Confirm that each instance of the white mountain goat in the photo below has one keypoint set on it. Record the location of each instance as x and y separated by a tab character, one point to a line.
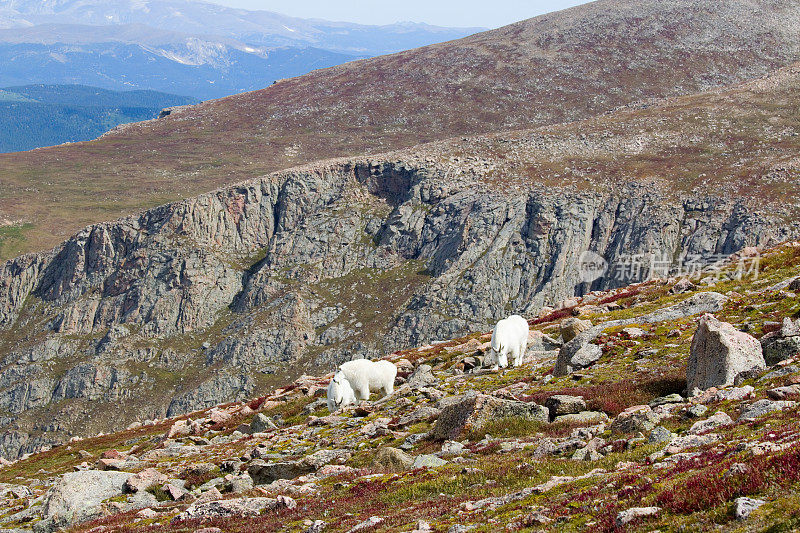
365	376
340	393
510	337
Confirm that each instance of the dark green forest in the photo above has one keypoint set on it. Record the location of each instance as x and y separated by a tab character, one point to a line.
44	115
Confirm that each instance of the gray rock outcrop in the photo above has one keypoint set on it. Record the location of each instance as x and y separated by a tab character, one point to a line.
200	302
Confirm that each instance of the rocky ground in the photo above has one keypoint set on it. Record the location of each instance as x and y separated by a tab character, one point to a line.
598	430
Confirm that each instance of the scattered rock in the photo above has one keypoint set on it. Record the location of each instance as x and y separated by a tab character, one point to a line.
144	480
666	400
422	377
264	473
659	434
633	333
561	404
317	526
452	447
428	461
783	393
719	353
625	517
743	507
762	408
586	356
392	460
682	286
734	393
261	424
586	454
422	527
694	411
239	508
181	428
639	418
238	483
683	442
426	413
147	514
711	423
584	417
777	347
370	522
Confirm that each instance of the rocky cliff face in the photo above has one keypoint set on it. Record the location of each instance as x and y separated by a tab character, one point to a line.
211	299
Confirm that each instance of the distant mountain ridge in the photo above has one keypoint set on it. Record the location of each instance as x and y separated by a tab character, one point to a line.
263	28
43	115
202	69
183	46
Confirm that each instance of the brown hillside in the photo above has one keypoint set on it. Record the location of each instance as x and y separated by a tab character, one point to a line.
555	68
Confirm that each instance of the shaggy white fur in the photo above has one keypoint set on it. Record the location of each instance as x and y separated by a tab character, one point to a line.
510	337
340	393
365	376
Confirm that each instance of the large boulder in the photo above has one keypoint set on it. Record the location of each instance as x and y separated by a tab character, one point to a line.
719	353
473	411
78	497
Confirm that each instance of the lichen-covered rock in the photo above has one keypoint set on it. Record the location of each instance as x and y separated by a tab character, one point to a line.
428	461
639	418
144	480
784	343
744	507
719	353
392	460
711	423
762	408
422	377
586	356
473	411
629	515
239	508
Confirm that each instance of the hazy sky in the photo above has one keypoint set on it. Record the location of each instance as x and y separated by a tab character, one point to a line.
465	13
